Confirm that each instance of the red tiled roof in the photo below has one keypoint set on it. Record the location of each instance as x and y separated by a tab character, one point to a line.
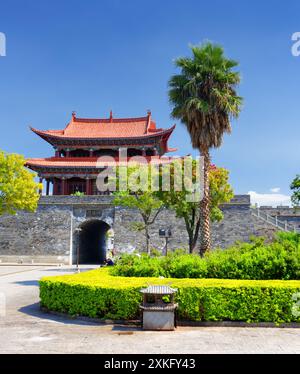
85	128
61	162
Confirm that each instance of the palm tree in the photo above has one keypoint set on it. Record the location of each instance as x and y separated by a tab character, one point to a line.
204	98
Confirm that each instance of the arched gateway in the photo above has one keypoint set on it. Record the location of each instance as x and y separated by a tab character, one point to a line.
91	242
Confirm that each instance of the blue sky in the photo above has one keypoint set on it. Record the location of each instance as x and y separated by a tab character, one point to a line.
95	55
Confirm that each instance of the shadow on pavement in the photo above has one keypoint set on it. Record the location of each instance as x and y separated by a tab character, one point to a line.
34	310
28	283
126	329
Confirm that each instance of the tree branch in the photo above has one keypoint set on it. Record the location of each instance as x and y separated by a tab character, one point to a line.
156	214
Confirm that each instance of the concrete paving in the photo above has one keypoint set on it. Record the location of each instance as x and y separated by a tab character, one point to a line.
25	329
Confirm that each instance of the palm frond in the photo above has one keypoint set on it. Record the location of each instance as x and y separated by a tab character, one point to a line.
203	95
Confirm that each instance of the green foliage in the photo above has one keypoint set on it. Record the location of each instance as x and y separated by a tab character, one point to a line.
185	207
18	189
203	94
292	238
220	191
155	252
78	193
139	196
295	187
181	201
144	202
99	294
254	260
185	266
139	266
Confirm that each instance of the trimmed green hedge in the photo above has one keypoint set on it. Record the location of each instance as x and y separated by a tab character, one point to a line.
99	294
254	260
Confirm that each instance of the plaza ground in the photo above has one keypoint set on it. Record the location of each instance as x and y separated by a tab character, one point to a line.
25	329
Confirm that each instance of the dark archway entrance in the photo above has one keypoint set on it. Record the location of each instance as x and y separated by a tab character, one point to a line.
92	242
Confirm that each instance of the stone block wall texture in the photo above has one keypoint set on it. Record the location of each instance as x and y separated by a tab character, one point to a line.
237	225
45	233
126	239
50	235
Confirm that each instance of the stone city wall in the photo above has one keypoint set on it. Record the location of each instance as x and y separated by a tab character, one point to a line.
50	235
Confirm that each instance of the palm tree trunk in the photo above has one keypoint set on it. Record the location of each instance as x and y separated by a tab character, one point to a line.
205	243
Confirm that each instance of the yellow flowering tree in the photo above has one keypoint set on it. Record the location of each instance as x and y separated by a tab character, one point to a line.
18	188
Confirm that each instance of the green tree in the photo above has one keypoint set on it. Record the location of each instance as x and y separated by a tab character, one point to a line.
204	98
220	192
139	196
295	187
18	189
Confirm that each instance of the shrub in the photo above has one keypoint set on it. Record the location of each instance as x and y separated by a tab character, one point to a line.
285	237
99	294
78	193
254	260
184	266
143	265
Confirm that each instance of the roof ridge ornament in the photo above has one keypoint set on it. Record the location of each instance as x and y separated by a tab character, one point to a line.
73	115
148	120
111	116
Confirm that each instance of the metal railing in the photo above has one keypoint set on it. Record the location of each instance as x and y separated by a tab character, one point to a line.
274	221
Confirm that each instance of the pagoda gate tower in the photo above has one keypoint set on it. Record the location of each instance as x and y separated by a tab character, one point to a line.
75	165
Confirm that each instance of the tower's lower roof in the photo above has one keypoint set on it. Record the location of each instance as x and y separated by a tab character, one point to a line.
91	162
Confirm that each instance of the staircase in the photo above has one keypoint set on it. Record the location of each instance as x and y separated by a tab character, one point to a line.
273	221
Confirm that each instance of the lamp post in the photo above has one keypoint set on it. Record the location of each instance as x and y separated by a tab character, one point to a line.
78	229
163	233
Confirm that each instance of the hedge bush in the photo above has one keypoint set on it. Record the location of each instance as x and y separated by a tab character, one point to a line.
254	260
99	294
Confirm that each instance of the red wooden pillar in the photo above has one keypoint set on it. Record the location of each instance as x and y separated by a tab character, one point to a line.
88	187
87	184
64	186
55	186
91	186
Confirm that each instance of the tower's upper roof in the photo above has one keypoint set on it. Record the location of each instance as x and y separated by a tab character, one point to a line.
114	128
